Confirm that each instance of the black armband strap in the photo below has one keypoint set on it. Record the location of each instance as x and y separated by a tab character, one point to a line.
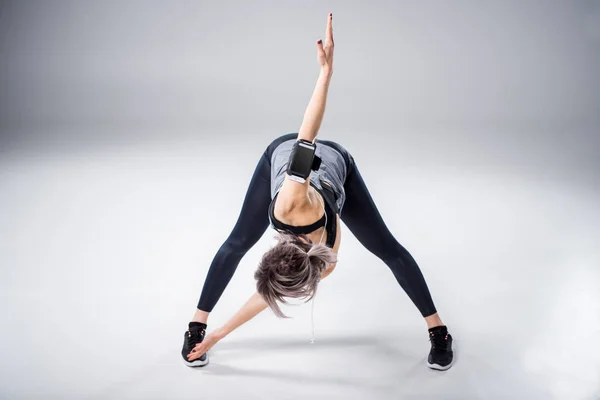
303	160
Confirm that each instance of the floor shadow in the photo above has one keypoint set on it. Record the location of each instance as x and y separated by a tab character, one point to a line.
293	377
374	345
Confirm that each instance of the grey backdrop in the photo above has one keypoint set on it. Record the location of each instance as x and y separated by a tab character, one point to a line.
476	125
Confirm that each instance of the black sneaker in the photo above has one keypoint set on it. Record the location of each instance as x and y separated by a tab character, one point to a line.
440	355
193	336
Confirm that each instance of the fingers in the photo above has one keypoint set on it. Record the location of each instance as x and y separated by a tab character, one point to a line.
196	352
329	31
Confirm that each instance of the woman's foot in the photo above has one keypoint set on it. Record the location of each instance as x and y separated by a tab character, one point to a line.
193	336
441	354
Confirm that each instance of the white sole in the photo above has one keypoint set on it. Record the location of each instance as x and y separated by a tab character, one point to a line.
196	363
439	367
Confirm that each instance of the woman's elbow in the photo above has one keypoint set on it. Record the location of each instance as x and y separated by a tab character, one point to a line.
328	270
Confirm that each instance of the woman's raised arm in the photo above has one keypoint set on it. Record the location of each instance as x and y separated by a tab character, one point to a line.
316	107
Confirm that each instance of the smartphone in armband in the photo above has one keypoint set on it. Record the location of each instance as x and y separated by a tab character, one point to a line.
302	160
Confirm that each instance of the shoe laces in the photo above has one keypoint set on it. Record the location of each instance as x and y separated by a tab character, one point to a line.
439	341
195	336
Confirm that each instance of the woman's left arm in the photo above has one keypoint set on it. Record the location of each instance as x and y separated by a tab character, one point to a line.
254	306
336	248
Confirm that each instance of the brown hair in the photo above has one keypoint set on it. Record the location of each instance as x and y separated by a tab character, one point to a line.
293	269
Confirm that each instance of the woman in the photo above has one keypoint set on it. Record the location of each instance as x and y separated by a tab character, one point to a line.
291	191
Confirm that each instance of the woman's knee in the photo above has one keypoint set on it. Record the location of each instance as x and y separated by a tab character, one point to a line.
238	244
397	254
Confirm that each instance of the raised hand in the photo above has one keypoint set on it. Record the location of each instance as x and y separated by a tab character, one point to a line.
325	51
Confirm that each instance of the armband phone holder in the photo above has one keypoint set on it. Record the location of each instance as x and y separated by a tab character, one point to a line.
303	160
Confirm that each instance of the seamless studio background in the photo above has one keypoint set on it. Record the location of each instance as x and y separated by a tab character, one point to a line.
476	126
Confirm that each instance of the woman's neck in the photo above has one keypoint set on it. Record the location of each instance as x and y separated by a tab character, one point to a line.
300	211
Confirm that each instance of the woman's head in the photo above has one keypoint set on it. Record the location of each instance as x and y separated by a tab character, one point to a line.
291	269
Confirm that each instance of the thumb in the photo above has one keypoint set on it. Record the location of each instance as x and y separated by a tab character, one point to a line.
320	46
199	347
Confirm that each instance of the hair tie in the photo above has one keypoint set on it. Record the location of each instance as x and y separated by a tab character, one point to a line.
303	245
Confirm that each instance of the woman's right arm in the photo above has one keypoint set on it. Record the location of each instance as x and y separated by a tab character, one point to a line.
313	116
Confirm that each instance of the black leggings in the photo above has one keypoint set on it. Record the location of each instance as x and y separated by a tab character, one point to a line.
359	214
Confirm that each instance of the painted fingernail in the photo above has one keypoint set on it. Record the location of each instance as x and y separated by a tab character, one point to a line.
320	41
